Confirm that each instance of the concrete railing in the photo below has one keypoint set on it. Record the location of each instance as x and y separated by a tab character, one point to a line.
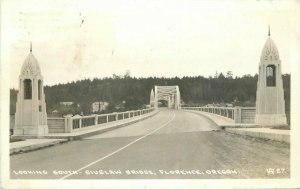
248	114
69	124
56	124
77	122
238	114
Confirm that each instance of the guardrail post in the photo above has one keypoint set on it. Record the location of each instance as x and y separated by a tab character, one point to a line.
80	122
68	124
96	119
237	115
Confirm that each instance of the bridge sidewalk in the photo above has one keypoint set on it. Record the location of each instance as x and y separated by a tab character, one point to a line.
219	120
52	139
98	129
32	144
248	129
266	133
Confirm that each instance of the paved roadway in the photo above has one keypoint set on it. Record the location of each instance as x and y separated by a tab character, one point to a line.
171	144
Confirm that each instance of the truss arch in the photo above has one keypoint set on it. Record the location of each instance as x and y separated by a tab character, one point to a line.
169	93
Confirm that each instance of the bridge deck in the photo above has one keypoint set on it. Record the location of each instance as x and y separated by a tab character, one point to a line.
156	147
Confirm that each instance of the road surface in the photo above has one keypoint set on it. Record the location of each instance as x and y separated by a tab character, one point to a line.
170	145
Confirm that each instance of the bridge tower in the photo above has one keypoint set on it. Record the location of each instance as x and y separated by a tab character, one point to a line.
270	107
31	116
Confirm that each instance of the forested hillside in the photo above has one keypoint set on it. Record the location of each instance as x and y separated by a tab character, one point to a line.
136	91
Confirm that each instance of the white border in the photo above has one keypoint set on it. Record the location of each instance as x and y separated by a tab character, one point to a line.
293	182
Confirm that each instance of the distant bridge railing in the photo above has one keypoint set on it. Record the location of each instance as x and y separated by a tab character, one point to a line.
238	114
75	123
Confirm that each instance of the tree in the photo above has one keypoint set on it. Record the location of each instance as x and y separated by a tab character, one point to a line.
229	74
127	74
136	91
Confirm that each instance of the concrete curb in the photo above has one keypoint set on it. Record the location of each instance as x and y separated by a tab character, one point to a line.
22	149
235	128
271	136
207	117
218	127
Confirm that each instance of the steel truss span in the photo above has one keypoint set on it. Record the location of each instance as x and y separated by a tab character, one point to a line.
171	94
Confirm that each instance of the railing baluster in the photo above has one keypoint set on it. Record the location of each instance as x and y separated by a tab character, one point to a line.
80	122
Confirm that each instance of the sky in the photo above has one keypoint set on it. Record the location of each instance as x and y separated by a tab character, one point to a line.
78	39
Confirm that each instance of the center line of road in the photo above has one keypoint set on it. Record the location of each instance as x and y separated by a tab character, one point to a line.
120	149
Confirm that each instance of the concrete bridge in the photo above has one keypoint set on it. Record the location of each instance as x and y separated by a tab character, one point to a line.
31	117
236	116
172	142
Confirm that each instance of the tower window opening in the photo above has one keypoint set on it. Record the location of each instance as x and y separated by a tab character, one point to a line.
271	76
27	89
39	89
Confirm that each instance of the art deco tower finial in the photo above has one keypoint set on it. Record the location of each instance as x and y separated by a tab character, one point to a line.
269	31
30	46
